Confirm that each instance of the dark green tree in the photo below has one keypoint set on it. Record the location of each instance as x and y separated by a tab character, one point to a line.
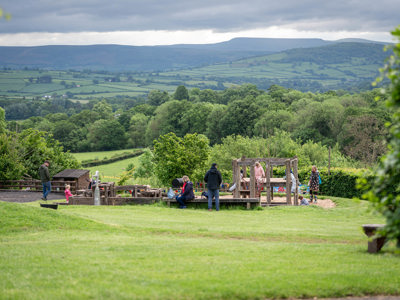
106	135
181	93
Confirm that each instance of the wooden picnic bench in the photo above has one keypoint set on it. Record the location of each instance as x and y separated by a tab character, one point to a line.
247	201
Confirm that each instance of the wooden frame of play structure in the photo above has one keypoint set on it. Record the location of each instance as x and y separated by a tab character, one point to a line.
247	186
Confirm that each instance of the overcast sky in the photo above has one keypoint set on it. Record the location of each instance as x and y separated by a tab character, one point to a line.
161	22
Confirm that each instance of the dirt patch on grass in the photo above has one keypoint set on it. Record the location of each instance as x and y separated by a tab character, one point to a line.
324	203
21	196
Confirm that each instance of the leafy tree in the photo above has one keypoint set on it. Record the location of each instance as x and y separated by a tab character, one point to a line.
104	109
157	97
385	190
271	120
34	147
167	119
2	120
194	120
137	130
106	135
240	117
175	156
181	93
215	130
363	138
85	117
146	165
11	167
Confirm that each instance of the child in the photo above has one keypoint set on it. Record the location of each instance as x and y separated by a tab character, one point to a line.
67	192
314	184
303	201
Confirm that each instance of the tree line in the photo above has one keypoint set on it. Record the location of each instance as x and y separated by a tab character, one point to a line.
355	123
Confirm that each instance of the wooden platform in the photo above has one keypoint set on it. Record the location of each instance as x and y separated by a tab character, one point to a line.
245	201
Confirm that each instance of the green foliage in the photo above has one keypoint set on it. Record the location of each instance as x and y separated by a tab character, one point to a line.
2	120
106	134
175	156
181	93
11	167
37	146
146	165
385	190
22	154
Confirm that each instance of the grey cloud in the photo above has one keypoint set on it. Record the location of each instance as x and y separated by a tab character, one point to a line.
100	15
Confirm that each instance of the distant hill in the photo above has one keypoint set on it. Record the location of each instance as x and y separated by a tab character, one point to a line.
347	65
146	58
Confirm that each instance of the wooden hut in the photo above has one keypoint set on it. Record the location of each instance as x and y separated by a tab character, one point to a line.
77	178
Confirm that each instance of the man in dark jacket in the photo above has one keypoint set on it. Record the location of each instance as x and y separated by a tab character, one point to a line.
187	192
45	178
213	179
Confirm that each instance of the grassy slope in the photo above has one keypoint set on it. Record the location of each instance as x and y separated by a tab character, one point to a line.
151	252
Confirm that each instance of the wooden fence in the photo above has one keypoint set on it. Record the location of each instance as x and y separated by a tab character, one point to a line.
36	185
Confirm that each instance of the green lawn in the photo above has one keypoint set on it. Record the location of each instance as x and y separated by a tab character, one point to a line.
155	252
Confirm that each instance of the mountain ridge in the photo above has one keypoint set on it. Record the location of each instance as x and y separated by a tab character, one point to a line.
146	58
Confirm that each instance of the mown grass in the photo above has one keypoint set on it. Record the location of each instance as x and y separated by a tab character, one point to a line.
155	252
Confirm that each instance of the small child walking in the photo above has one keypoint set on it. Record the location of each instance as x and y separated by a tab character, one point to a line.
67	192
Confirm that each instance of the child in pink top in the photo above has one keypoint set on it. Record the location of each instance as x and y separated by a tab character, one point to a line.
67	192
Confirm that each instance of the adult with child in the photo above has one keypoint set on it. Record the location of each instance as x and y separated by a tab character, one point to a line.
186	193
44	175
314	184
213	178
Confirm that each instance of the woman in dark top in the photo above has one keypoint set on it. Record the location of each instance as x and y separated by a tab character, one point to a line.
187	192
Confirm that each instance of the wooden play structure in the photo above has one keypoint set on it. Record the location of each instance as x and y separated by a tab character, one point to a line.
246	186
138	194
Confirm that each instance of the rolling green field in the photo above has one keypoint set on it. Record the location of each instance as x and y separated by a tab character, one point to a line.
344	66
99	154
155	252
109	172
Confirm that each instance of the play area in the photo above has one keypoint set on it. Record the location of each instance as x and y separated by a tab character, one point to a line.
249	187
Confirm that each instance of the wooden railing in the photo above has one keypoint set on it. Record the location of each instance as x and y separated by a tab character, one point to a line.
36	185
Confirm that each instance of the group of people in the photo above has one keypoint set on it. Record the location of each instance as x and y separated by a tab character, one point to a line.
213	178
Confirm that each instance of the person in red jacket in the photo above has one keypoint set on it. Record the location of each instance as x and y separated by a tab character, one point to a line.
187	192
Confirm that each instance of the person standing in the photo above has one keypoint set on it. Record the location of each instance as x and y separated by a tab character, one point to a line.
45	178
187	192
314	184
259	175
213	179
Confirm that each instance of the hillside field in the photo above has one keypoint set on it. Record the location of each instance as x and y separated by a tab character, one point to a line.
155	252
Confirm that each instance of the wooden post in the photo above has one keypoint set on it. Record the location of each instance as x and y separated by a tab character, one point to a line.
268	181
288	181
296	176
252	182
236	170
